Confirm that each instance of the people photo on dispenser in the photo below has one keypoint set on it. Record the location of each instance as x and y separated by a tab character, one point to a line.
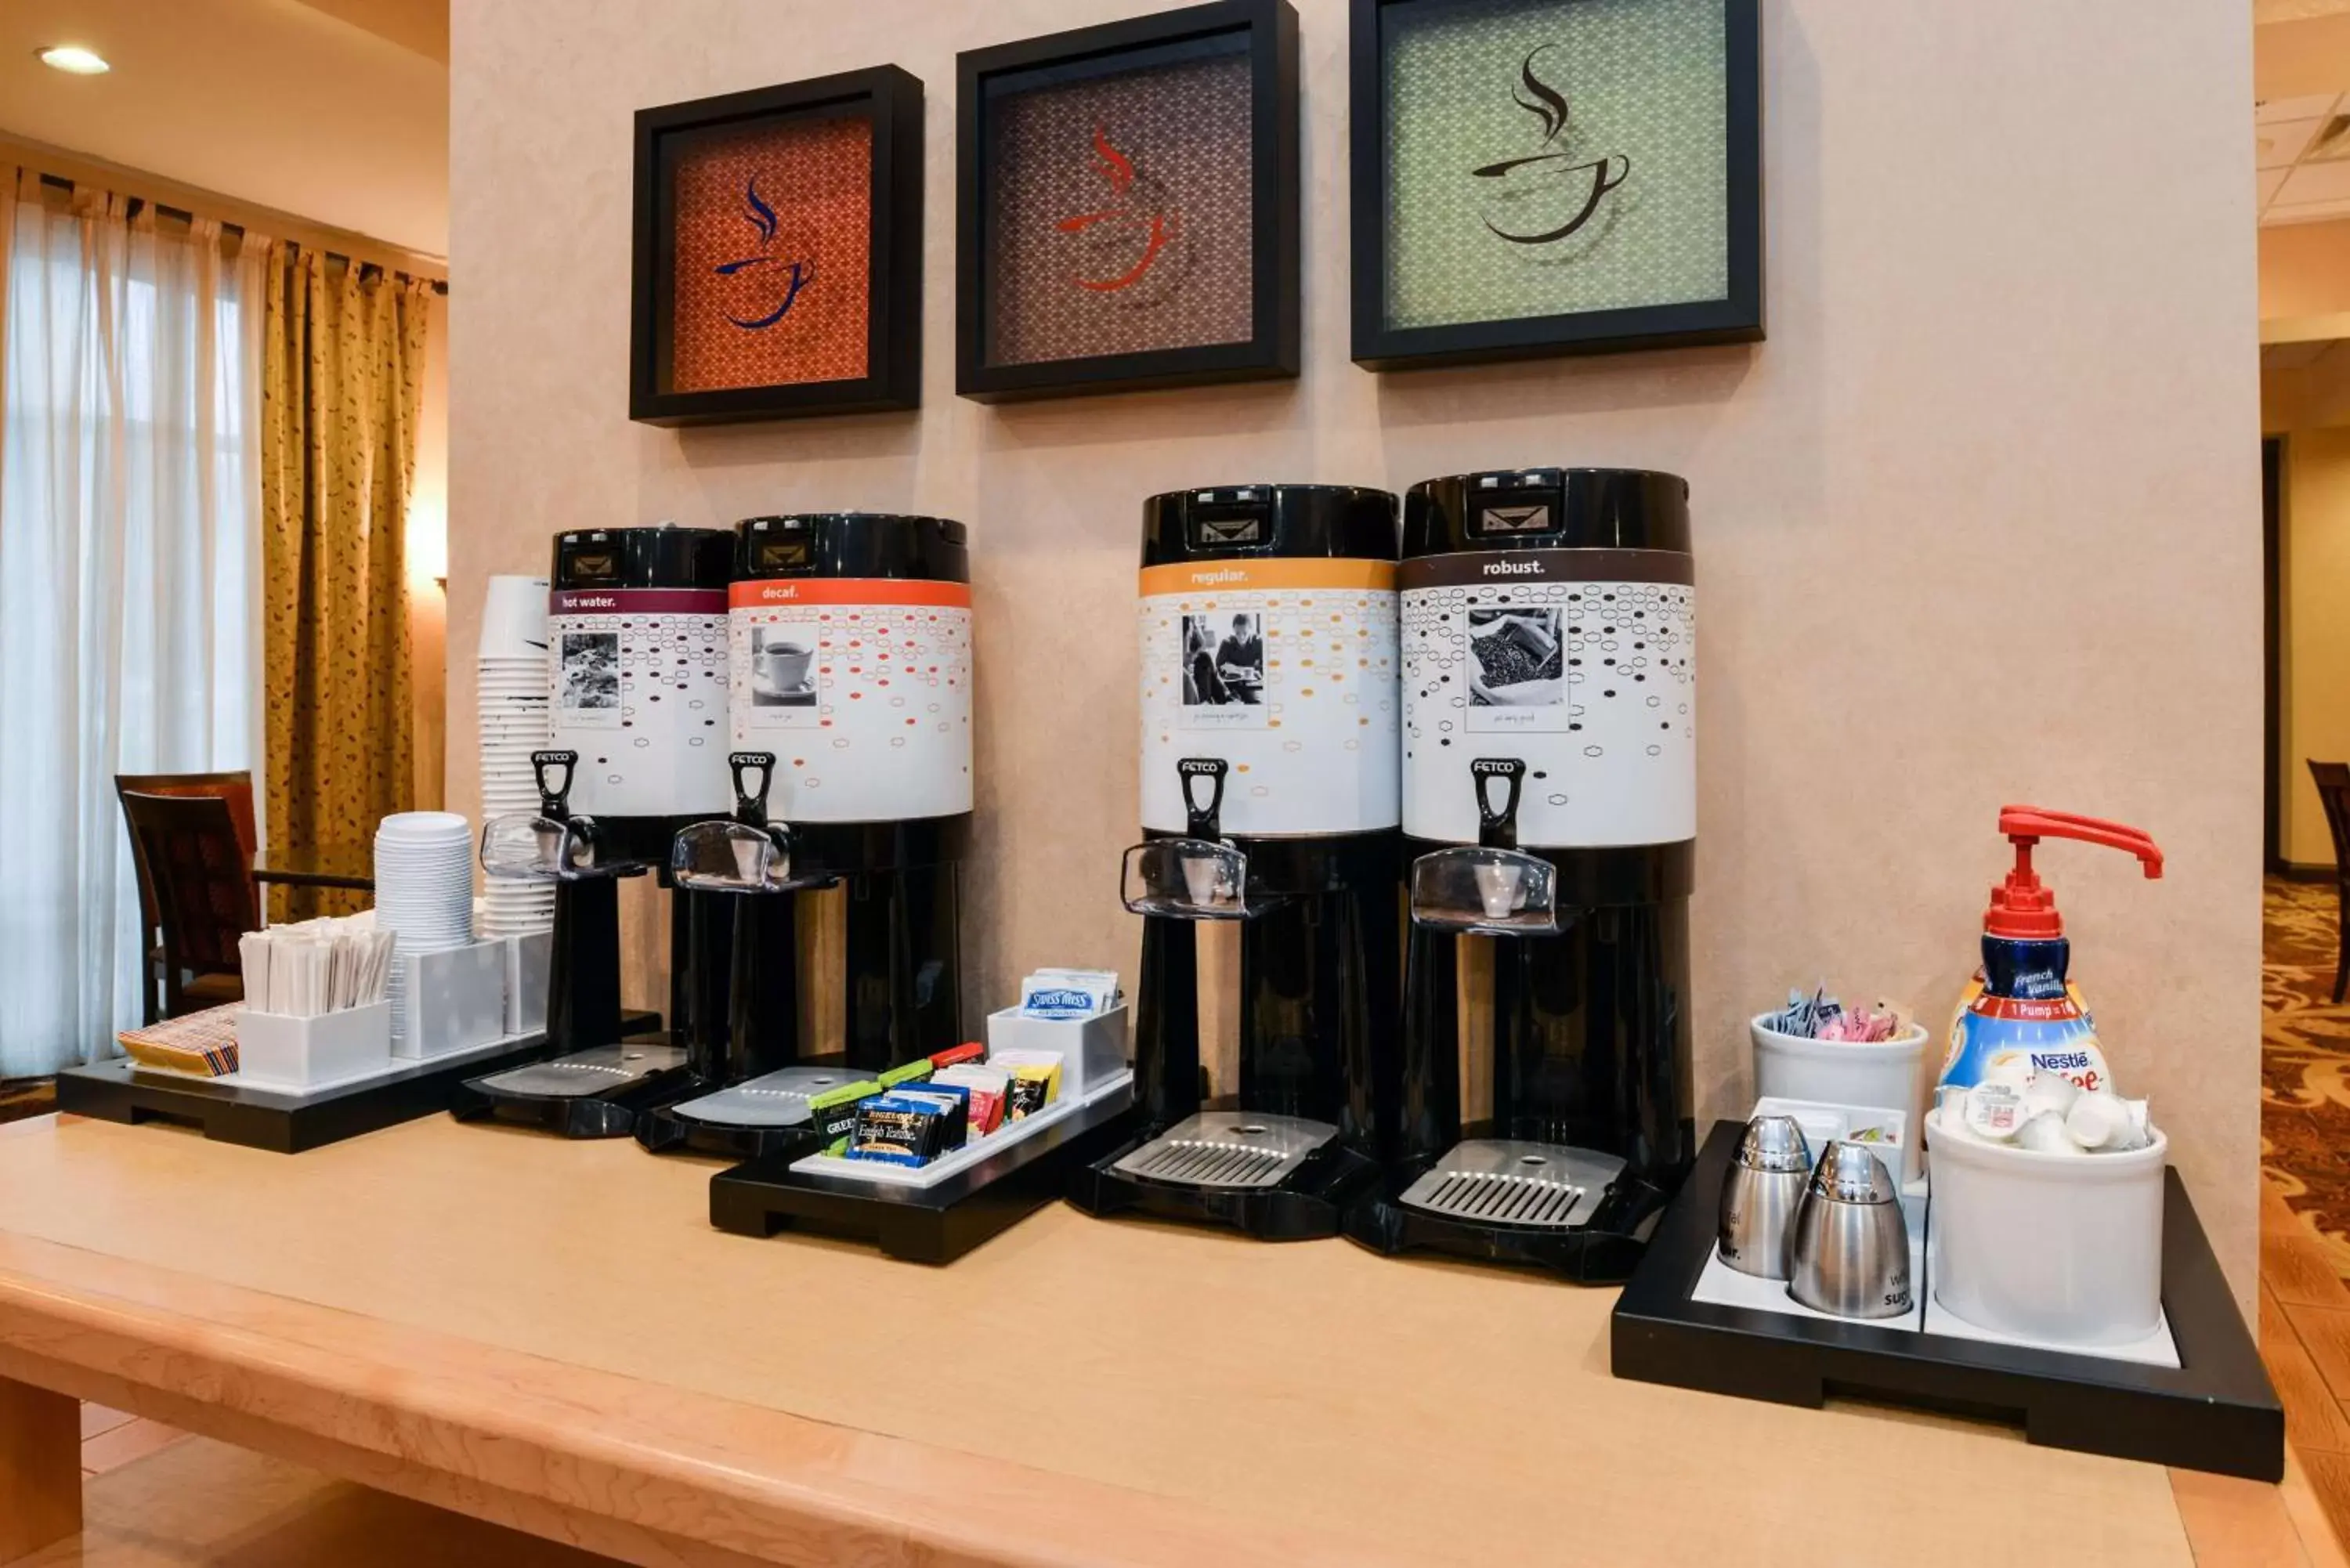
1517	655
1223	666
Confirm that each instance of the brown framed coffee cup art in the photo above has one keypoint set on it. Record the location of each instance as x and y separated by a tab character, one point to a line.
1127	206
779	252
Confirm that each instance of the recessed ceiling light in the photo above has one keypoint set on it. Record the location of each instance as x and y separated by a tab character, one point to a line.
73	58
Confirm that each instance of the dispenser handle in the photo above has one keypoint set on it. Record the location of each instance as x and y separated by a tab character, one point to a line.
2027	825
750	800
1206	821
1497	828
554	792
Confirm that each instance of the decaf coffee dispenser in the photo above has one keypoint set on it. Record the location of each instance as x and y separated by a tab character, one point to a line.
636	627
850	708
1269	800
1550	812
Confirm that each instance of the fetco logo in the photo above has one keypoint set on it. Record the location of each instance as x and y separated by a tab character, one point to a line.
1514	569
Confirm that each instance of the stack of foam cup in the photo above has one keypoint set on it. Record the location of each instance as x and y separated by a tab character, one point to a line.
512	694
423	892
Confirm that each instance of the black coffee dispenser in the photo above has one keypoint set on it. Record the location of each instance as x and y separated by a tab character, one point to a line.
1269	800
636	626
850	694
1549	787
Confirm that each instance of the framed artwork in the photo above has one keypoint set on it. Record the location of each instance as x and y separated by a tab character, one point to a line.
779	252
1126	205
1541	177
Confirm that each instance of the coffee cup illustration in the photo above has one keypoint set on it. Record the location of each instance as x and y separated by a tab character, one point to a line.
781	668
1543	197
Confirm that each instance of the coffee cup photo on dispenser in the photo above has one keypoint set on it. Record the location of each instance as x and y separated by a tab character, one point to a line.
782	670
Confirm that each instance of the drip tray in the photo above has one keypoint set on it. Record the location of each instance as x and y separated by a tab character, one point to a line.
597	1071
1228	1149
1506	1182
778	1099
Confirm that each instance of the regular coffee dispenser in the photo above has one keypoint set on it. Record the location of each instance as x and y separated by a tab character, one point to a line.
637	663
1270	802
848	712
1550	819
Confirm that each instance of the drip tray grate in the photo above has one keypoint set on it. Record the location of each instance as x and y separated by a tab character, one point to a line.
1228	1148
1503	1181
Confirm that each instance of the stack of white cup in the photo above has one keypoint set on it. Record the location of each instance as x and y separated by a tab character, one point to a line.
512	694
423	892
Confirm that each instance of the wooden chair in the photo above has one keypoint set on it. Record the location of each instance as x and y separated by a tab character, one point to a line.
2333	790
236	788
202	877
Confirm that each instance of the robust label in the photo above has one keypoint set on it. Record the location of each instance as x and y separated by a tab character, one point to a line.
861	687
639	690
1581	664
1285	669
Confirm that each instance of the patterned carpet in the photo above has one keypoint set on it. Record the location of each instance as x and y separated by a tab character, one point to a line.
2305	1064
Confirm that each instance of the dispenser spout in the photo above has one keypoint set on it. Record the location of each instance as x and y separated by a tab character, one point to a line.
2022	906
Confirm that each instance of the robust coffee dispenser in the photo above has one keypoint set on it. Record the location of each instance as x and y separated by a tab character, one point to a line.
1550	810
849	711
636	665
1269	800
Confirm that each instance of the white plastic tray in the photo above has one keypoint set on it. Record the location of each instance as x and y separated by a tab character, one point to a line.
880	1173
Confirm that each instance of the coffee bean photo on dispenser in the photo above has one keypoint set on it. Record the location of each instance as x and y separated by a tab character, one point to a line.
1519	658
782	672
591	670
1223	660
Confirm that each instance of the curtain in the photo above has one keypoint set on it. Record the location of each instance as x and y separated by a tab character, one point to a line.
128	558
342	373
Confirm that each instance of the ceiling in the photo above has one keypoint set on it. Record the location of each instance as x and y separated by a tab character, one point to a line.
334	110
2304	157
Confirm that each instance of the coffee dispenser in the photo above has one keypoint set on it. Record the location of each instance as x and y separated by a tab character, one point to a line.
1550	813
1270	801
637	663
849	712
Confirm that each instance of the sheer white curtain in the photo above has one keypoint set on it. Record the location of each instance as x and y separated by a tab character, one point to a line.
130	555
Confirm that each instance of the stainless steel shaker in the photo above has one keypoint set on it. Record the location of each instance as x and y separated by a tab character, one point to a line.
1759	1195
1850	1251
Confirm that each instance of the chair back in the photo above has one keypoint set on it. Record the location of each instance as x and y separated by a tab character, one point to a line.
2333	790
203	877
236	788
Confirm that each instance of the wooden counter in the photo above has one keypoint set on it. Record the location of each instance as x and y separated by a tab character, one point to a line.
549	1336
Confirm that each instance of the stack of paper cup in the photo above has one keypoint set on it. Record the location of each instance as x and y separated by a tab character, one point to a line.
423	892
512	695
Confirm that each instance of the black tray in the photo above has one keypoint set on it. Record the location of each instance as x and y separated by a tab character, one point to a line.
922	1225
2215	1412
119	1091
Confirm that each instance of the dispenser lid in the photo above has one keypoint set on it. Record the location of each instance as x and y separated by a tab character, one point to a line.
851	545
1547	509
662	556
1226	522
2023	907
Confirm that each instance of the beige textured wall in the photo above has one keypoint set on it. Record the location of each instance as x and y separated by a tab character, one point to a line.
2316	630
1967	530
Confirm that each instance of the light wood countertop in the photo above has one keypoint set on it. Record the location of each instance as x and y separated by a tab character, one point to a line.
549	1336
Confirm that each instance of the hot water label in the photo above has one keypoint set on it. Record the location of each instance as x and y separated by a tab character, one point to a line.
861	687
639	690
1285	669
1580	663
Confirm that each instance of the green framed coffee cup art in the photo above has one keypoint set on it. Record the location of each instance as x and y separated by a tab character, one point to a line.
1538	177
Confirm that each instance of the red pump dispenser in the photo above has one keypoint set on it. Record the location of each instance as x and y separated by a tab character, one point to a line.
2025	908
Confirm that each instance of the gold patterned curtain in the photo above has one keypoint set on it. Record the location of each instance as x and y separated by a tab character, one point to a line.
342	371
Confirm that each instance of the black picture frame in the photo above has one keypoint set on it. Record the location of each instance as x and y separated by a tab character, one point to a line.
1271	350
1736	318
891	100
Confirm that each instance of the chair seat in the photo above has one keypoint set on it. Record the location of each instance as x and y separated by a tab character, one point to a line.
211	990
